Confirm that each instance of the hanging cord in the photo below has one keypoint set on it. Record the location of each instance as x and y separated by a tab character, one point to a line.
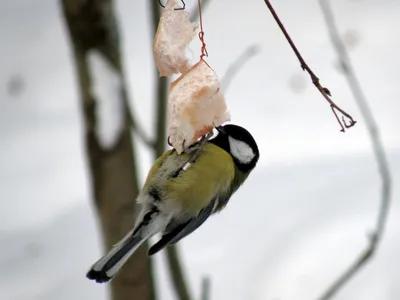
201	34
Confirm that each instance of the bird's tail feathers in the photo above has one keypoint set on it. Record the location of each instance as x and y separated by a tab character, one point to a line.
106	267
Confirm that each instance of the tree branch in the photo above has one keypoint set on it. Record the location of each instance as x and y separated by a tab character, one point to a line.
139	130
176	272
174	263
205	288
175	268
93	29
238	64
378	150
315	80
162	92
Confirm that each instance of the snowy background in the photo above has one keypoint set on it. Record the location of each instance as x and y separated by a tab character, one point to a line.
303	215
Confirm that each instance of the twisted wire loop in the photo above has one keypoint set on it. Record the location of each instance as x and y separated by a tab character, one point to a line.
201	35
180	8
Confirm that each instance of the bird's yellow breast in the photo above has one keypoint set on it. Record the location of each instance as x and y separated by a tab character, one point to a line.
209	176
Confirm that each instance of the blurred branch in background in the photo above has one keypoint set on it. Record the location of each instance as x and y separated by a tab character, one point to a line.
109	143
205	288
315	80
138	129
238	64
378	149
174	264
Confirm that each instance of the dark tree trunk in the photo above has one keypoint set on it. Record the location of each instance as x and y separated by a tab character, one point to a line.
92	26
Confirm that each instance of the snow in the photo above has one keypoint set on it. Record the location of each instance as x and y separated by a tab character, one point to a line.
258	248
107	90
291	229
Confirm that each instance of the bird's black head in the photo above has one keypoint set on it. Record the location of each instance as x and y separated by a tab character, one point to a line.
240	144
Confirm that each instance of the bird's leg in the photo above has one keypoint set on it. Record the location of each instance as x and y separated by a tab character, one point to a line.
198	150
200	146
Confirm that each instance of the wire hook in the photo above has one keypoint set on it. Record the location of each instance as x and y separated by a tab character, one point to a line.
181	8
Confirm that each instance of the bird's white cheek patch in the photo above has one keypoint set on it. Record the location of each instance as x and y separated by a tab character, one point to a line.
241	151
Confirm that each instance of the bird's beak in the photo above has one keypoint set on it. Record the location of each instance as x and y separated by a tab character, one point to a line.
220	129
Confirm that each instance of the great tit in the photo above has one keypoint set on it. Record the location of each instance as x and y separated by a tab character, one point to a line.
179	196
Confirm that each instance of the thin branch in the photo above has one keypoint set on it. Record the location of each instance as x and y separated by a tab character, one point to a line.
175	267
162	86
205	288
139	130
173	260
315	80
378	149
176	272
161	95
238	64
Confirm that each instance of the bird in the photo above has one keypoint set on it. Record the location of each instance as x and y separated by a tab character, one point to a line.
179	195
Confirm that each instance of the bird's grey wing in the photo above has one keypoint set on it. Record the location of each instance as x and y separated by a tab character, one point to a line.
177	231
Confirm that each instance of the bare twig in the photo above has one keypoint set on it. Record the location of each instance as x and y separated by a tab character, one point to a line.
176	272
315	80
205	288
378	149
238	64
139	130
162	93
175	267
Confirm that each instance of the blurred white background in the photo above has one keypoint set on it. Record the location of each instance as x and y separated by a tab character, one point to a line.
303	215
